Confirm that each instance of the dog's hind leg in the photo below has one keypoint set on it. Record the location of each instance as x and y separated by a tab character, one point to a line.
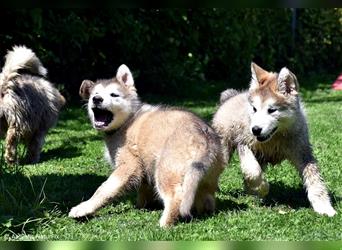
176	190
205	196
171	201
255	181
11	145
146	195
169	188
205	200
127	173
34	147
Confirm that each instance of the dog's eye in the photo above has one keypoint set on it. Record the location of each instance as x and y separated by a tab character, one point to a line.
114	95
254	109
271	110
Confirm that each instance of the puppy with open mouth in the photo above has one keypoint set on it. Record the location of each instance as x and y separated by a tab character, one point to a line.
266	124
164	152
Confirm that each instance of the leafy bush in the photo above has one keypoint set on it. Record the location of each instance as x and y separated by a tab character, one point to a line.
175	51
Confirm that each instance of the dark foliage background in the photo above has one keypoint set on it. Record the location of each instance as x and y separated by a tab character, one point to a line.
178	52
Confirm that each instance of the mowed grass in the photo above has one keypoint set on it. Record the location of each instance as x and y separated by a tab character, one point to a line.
35	199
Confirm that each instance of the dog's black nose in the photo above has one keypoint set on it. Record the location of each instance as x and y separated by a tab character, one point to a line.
256	130
97	99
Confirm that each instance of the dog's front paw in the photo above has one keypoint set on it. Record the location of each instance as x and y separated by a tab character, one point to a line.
164	223
264	189
260	190
81	210
324	208
167	220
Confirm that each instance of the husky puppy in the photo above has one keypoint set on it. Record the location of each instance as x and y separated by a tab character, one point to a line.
267	125
29	104
164	151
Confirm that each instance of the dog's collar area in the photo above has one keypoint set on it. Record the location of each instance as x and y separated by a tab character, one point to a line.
124	126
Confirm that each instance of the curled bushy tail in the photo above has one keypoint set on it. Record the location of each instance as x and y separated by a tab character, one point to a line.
21	57
227	94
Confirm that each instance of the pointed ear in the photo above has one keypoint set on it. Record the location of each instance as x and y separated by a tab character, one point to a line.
258	76
124	76
85	89
287	82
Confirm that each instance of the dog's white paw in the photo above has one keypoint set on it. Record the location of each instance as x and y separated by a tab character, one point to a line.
83	209
324	208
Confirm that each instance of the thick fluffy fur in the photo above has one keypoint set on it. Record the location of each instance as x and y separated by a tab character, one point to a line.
267	125
162	151
29	104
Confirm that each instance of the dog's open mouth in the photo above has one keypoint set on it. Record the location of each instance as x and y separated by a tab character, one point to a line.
266	137
102	117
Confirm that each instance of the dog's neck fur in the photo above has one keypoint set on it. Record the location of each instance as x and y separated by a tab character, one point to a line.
115	139
138	110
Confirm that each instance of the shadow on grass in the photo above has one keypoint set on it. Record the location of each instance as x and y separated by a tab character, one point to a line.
294	197
30	202
70	147
65	151
27	202
280	194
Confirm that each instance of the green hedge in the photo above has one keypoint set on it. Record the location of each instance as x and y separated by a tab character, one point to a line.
175	50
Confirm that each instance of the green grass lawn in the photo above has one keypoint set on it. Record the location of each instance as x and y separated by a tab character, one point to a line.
35	199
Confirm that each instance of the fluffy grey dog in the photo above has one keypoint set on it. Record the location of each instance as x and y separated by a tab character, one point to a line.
29	104
267	124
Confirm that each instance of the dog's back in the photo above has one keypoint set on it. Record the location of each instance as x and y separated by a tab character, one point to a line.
32	101
163	129
231	121
29	103
41	99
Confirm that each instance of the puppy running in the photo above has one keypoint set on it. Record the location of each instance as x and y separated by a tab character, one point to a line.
29	104
267	125
164	151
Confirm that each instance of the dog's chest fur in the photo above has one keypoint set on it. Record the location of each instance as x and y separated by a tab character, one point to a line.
273	151
127	137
